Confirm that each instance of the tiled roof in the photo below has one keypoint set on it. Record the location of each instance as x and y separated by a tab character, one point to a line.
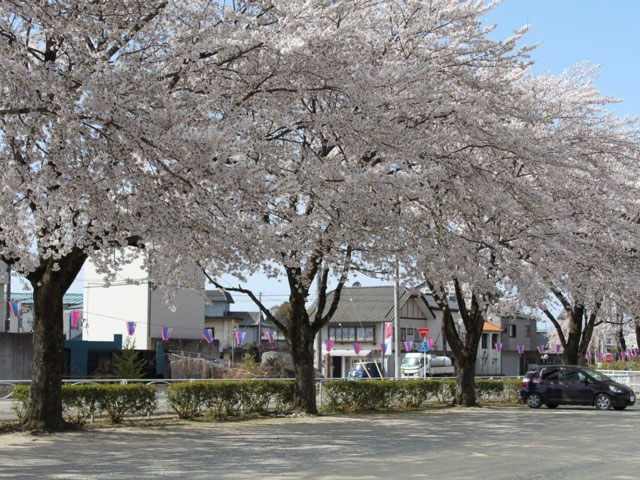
218	296
357	303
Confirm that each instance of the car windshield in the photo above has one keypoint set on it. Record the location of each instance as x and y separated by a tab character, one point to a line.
597	375
410	361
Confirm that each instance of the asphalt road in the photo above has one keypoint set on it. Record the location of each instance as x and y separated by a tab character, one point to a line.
488	443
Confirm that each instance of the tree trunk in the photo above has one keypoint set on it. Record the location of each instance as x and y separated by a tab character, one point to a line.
300	339
571	355
304	394
49	286
638	334
621	340
466	387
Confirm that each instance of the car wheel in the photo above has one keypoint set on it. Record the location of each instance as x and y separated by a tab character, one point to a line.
552	405
534	400
602	402
621	407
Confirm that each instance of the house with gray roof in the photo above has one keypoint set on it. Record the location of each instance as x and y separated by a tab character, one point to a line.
361	317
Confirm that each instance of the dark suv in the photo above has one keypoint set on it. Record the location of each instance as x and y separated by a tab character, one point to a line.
364	371
556	385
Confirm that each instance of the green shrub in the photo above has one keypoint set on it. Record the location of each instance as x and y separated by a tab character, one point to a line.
353	396
116	401
20	397
79	402
221	399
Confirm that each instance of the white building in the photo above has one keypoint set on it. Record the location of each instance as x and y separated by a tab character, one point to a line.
133	298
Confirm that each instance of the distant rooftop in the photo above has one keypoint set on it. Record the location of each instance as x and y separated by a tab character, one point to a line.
27	298
218	296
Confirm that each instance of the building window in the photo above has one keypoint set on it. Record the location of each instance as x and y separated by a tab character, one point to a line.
527	331
410	332
351	334
364	334
484	341
512	331
403	334
494	339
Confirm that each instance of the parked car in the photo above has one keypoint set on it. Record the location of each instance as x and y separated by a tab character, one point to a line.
359	371
555	385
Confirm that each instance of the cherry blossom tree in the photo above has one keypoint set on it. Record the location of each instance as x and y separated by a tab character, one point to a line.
98	101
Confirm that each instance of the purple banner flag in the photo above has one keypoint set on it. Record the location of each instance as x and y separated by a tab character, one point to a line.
271	336
497	346
356	348
240	336
558	347
430	343
408	345
207	334
540	349
383	348
131	328
328	345
520	349
600	356
588	357
166	333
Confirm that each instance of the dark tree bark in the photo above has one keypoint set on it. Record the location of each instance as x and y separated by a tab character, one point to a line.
621	340
300	339
465	352
49	286
638	334
581	324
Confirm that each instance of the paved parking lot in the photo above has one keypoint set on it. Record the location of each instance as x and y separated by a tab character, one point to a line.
488	443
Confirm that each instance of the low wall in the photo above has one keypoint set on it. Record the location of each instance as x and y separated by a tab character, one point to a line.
16	356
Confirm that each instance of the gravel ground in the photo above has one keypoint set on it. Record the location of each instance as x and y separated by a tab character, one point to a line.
483	443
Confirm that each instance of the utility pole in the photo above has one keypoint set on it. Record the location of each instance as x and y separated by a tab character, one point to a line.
5	327
319	335
396	321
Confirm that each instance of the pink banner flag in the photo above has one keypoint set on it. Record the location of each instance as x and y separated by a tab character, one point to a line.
131	328
240	336
430	343
540	349
622	355
520	349
207	334
166	333
408	345
328	345
356	348
558	347
600	356
383	348
75	316
271	337
497	346
588	357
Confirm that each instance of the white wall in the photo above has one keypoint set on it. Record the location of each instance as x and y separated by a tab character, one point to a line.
187	320
107	309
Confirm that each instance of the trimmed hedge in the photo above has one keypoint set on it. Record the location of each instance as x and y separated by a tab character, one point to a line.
229	398
79	402
364	395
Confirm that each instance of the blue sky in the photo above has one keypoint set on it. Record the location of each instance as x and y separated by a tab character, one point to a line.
567	32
